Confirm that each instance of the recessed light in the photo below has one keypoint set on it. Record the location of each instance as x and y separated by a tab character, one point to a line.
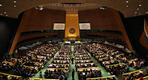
137	8
5	12
0	4
126	1
6	15
14	5
14	1
126	5
140	5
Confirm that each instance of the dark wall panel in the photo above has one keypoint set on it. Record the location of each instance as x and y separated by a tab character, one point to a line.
8	28
135	28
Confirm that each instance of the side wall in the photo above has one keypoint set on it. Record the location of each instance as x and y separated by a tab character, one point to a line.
8	28
135	29
36	24
109	24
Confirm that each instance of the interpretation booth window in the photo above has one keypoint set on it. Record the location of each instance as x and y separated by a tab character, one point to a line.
59	26
84	26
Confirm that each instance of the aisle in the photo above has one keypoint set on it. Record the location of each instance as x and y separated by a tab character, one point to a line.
45	67
37	75
72	67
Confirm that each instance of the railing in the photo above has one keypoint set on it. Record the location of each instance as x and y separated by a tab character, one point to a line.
41	79
125	74
5	74
115	78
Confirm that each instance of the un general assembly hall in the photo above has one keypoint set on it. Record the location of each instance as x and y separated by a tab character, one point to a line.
73	39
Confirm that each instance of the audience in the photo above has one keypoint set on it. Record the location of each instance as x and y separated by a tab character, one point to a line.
85	67
59	68
29	62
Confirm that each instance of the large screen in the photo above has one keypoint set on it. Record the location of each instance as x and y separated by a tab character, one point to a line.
84	26
59	26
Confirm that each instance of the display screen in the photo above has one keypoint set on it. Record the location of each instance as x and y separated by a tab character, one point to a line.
59	26
84	26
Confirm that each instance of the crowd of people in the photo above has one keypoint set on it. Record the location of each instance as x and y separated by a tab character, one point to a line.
139	74
59	68
31	61
27	64
115	62
84	65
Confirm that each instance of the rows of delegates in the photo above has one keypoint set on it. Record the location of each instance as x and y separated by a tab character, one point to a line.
59	68
84	65
30	61
115	62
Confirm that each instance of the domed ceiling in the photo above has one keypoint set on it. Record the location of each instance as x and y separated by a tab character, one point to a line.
129	8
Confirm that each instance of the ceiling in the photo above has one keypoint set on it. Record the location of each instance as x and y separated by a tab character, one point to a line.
130	8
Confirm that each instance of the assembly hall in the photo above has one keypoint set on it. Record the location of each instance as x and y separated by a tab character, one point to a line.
73	39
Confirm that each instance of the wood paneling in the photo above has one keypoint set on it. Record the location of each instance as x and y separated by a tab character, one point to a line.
35	35
115	36
43	20
36	20
143	40
145	27
144	36
108	19
36	40
99	19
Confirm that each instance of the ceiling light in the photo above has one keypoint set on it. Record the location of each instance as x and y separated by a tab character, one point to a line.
126	1
14	1
140	5
137	8
6	15
1	14
126	5
5	12
0	4
14	5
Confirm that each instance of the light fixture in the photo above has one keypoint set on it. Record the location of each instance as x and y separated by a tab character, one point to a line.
14	6
138	8
140	5
102	8
0	4
5	12
146	12
127	3
14	1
